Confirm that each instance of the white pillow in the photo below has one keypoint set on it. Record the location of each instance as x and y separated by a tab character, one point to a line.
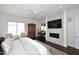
23	34
15	37
7	46
10	35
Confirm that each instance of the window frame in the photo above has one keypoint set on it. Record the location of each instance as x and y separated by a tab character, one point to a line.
16	27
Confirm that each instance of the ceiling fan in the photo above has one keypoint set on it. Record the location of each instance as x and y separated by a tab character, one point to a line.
35	14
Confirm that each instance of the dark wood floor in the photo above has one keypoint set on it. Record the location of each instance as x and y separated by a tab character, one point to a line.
69	50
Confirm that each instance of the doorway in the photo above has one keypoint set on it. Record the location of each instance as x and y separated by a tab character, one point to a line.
73	32
32	30
76	32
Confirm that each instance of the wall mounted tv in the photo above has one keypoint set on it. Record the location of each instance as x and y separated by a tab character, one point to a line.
55	23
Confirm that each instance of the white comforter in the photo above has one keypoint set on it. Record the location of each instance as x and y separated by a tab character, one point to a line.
27	46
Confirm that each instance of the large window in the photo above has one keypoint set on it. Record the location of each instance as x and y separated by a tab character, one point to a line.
43	27
15	28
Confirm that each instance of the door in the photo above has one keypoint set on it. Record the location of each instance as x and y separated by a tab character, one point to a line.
77	32
32	30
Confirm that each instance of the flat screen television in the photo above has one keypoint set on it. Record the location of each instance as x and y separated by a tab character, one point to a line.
55	23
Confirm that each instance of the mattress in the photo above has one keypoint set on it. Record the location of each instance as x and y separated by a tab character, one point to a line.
27	46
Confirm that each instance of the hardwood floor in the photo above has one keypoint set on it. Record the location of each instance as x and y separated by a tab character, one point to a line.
68	50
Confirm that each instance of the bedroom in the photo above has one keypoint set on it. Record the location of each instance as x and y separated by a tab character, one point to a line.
16	19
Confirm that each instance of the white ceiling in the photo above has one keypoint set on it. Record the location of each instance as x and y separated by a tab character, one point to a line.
35	11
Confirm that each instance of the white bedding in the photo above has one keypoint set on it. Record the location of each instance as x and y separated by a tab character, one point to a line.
27	46
17	48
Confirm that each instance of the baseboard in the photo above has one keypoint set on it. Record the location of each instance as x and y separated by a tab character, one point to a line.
69	50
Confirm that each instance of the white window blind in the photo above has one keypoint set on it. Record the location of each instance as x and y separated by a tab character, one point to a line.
15	28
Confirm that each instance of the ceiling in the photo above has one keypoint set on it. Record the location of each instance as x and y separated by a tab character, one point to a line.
35	11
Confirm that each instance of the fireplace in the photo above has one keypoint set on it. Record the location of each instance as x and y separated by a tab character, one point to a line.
54	35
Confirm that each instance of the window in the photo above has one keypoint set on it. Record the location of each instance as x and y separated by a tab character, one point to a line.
43	27
15	28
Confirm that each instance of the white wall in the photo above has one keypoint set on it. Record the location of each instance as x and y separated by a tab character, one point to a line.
59	41
4	19
70	38
71	15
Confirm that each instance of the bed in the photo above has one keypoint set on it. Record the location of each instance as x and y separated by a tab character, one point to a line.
27	46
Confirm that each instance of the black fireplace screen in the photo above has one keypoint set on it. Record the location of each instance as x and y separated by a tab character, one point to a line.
55	35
